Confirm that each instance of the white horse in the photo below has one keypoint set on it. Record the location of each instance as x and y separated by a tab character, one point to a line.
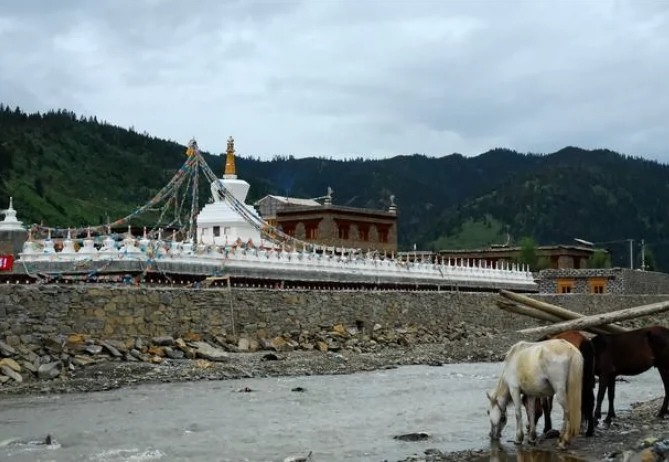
551	367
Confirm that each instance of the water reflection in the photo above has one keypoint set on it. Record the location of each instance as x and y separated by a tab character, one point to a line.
499	453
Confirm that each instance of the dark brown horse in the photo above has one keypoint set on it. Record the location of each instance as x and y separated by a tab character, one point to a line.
545	405
630	353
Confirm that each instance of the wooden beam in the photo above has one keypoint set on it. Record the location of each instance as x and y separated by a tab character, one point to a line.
555	310
599	319
516	308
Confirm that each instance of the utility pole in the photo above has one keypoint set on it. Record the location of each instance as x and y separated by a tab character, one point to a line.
631	253
643	255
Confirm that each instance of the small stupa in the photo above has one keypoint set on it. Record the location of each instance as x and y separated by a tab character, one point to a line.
10	223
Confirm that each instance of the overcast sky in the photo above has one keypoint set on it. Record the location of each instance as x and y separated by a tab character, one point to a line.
346	78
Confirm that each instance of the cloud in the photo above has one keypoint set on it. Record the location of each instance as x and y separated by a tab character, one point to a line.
344	78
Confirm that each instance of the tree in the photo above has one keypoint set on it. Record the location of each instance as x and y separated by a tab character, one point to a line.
600	258
649	260
528	253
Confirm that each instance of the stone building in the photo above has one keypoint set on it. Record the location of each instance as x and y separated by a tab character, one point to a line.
557	256
619	281
332	225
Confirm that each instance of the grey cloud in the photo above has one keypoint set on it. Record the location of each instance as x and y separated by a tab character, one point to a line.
347	78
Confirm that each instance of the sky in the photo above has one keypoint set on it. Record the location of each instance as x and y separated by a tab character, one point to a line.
350	78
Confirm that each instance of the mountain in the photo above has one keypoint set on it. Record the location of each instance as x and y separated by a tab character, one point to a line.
65	170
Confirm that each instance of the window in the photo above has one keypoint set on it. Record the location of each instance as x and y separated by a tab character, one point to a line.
363	232
343	231
383	235
312	232
217	231
565	286
597	285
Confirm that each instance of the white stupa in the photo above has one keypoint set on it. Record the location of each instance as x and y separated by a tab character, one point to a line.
10	223
218	223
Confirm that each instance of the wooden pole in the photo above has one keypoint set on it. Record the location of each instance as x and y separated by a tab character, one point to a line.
599	319
515	308
555	310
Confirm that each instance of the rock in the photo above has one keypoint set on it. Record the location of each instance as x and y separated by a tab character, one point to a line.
50	370
6	350
206	351
172	353
270	357
76	339
11	373
244	344
156	359
299	389
306	458
81	360
111	349
157	351
339	329
418	436
4	379
27	365
93	350
280	344
53	345
9	362
322	346
191	337
163	341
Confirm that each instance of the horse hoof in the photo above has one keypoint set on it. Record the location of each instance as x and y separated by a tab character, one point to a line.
561	446
532	442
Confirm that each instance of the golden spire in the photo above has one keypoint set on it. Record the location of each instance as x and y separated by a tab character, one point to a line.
230	157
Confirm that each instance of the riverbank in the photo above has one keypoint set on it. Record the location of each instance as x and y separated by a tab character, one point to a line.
637	435
97	369
77	363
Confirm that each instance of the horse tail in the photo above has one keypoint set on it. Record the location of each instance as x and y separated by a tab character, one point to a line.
588	390
574	393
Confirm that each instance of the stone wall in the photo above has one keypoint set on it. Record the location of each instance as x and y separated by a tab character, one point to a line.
28	312
619	281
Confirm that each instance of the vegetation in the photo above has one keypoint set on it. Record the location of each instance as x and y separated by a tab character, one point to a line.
65	170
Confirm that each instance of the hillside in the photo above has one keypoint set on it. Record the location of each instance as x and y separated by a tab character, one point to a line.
67	171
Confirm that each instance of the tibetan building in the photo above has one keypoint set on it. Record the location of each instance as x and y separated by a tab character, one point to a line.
332	225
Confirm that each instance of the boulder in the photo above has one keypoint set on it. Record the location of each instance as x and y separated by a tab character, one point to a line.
206	351
50	370
11	373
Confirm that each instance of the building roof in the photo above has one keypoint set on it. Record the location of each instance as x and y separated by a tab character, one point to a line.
294	201
509	249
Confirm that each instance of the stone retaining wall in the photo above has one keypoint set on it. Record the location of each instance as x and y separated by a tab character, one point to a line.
30	312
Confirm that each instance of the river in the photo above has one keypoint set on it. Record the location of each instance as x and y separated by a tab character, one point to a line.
339	418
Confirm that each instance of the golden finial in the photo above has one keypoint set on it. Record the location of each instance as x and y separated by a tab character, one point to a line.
192	146
230	157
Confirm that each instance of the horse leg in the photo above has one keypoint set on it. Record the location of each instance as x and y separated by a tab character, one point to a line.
548	408
531	409
603	384
518	407
588	399
664	373
611	414
561	395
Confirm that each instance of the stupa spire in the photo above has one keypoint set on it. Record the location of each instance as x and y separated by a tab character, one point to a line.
230	158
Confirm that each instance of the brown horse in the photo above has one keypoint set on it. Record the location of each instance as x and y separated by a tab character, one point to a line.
630	353
545	405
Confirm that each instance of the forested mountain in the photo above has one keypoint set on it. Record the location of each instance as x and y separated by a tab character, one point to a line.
67	171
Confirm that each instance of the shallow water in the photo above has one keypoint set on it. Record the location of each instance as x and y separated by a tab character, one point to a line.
339	418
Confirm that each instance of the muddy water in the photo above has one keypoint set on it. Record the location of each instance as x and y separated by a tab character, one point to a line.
339	418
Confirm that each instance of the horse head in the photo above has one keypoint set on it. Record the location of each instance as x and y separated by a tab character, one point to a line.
497	416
